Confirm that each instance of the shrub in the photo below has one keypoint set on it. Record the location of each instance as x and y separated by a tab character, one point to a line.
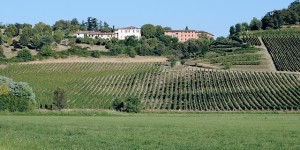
60	98
15	96
96	54
118	104
46	51
131	104
2	52
131	52
24	55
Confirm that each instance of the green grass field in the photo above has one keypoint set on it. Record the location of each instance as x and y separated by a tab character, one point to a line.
151	131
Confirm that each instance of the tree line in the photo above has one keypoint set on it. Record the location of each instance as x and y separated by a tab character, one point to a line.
272	20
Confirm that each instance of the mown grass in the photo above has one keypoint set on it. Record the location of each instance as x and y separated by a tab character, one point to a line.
151	131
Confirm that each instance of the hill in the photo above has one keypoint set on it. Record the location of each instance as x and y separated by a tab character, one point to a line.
95	85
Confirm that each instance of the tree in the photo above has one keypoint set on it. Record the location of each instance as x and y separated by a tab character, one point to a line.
232	30
11	31
255	24
46	51
186	28
1	39
58	36
131	52
238	28
36	41
92	24
74	22
42	28
47	39
132	104
148	31
159	31
25	39
117	104
1	52
24	55
60	98
15	96
245	27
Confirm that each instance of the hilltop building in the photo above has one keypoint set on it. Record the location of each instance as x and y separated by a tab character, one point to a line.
185	35
121	34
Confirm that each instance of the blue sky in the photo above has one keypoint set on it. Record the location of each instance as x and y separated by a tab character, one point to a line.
214	16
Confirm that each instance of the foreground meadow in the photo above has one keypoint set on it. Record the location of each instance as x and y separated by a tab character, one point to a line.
151	131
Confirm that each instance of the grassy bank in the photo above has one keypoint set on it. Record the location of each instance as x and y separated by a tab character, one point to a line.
151	131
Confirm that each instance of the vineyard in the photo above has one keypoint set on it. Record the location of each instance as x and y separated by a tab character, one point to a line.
95	85
253	40
285	52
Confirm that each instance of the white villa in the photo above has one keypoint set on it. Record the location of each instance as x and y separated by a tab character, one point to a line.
121	34
94	35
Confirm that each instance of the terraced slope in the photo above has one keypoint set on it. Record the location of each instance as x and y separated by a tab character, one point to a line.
95	85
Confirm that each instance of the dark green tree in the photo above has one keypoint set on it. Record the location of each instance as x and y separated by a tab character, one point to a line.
132	104
60	98
232	30
255	24
25	39
159	31
186	28
238	28
2	52
148	31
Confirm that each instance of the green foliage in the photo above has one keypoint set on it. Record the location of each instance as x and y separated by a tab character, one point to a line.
11	31
96	54
79	51
46	51
255	24
60	98
24	39
132	104
131	52
58	36
118	104
227	65
1	52
148	31
15	96
1	39
159	31
36	41
24	55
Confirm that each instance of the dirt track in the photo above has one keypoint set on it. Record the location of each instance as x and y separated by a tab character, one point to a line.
102	59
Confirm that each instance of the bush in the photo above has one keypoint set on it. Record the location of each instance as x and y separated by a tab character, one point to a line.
131	52
118	104
15	96
24	55
227	65
131	104
46	51
96	54
60	98
2	52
